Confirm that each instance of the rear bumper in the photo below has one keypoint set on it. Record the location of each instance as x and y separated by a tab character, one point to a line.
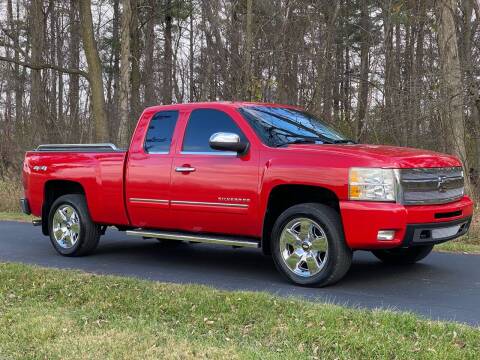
413	225
24	204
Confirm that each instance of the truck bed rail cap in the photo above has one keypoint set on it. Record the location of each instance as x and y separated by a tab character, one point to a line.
78	147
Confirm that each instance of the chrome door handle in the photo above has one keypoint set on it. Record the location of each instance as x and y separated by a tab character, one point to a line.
185	169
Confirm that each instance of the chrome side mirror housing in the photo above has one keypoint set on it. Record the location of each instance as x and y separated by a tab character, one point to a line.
228	142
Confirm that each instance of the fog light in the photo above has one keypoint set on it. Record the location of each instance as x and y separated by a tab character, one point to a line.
385	235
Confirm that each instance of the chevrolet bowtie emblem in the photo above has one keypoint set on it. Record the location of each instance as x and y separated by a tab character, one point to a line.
441	183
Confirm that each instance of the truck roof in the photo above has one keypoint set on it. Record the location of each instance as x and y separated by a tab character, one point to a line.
220	104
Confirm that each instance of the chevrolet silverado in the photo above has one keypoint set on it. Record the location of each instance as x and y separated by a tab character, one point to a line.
250	175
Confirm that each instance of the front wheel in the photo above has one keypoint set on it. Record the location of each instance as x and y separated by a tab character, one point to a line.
403	256
72	231
308	245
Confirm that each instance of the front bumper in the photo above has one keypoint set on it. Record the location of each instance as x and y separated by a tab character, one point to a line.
435	233
413	225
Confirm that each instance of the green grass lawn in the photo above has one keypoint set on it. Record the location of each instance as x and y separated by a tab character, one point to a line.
60	314
15	216
466	244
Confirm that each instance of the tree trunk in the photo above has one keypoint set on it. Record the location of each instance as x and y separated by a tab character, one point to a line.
74	62
452	89
191	55
38	101
148	74
53	74
94	72
364	71
473	100
124	72
247	82
135	55
168	55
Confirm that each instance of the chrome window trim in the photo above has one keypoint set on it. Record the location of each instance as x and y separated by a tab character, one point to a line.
200	203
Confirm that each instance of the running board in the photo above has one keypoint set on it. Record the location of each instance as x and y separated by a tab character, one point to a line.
209	239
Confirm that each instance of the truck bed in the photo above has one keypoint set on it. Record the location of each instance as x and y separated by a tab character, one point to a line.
98	168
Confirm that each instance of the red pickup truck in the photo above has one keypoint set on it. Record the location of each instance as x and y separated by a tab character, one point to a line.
250	175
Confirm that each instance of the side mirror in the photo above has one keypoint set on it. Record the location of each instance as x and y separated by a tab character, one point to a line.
228	142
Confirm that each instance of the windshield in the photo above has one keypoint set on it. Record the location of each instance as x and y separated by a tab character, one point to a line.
279	126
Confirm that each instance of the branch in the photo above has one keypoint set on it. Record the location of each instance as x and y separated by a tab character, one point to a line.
46	66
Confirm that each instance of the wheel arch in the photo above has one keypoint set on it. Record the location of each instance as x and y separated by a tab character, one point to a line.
53	189
281	197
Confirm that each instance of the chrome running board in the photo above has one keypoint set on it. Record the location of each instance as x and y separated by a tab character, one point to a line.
209	239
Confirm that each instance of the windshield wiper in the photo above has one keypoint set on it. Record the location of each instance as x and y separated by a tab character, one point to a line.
300	141
344	141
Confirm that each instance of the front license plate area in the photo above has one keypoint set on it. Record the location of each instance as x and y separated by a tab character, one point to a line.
446	232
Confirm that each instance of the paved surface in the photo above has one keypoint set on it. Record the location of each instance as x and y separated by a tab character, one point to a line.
443	286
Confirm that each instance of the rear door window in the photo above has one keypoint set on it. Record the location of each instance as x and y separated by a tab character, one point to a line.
160	132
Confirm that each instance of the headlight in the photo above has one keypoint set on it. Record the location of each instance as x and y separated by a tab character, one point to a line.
371	184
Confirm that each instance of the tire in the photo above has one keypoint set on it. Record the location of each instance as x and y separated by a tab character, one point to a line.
403	256
326	256
75	220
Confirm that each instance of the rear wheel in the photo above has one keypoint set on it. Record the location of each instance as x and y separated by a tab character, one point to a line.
72	231
308	245
403	256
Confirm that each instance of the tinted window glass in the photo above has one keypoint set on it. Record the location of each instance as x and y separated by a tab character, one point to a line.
278	126
202	124
160	131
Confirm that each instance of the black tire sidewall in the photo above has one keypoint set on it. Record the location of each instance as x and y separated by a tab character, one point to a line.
329	221
78	203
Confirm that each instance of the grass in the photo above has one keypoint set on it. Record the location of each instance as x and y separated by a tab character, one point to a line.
467	245
59	314
15	216
10	193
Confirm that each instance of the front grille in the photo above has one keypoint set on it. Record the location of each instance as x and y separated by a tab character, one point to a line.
431	185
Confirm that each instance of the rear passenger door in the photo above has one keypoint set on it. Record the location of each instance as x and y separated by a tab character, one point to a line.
148	172
218	191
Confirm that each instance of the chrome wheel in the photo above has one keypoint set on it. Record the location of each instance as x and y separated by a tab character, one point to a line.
304	247
66	226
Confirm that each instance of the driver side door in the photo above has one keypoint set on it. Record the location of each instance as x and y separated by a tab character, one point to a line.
214	191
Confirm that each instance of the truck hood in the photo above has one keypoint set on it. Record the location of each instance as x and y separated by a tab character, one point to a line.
384	156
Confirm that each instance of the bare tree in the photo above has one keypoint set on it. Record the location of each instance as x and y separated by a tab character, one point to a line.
94	72
451	78
125	72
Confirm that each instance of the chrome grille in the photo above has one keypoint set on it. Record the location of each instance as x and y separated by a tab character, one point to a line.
431	185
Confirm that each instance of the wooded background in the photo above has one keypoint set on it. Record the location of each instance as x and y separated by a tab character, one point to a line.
400	72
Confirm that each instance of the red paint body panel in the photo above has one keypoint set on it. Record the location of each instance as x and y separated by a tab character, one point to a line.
100	175
362	220
143	190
